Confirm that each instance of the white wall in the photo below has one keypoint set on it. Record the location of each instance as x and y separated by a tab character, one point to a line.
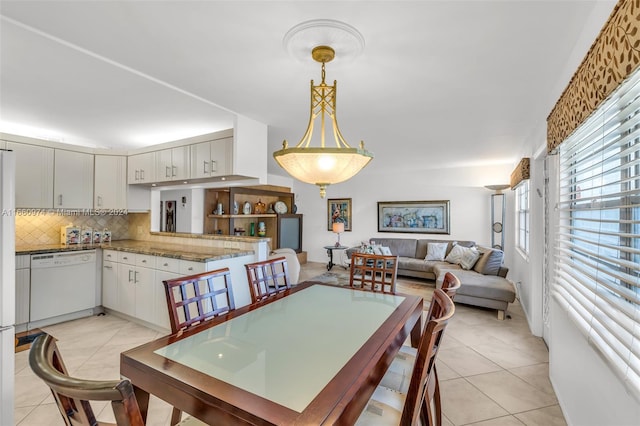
464	187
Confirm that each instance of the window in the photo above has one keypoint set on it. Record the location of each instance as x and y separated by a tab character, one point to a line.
522	215
597	278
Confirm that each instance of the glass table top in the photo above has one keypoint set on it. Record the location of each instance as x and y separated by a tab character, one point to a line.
288	350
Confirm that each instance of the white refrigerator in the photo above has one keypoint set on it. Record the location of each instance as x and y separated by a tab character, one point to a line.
7	285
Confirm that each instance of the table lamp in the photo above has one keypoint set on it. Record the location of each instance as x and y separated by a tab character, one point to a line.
338	227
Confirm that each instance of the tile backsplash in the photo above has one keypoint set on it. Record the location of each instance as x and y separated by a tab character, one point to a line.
45	229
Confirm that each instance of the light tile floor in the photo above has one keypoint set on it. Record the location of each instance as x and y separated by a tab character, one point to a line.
492	372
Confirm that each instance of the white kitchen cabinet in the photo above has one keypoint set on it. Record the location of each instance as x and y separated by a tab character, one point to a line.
160	301
212	158
172	164
126	290
23	288
34	175
132	284
110	174
109	284
141	168
145	285
73	179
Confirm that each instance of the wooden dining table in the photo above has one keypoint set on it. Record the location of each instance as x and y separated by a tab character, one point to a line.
311	355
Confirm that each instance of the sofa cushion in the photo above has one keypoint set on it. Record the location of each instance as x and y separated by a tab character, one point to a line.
490	261
485	286
413	264
436	251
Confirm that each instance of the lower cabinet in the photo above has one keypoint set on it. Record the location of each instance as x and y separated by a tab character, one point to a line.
132	284
23	288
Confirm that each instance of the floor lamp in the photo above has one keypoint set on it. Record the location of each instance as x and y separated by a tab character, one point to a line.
497	215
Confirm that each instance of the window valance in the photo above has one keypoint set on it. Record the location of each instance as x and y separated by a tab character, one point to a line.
521	172
612	57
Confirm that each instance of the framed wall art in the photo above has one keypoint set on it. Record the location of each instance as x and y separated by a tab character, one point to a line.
420	217
339	210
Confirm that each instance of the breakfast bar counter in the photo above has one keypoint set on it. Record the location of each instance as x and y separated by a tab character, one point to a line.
177	251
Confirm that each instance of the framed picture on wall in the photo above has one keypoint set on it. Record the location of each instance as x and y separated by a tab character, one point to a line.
339	210
420	217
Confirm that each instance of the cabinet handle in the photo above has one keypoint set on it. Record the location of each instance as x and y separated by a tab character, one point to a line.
60	199
135	277
190	268
166	264
141	174
125	258
166	171
99	201
130	272
204	167
137	175
107	267
173	171
144	260
214	166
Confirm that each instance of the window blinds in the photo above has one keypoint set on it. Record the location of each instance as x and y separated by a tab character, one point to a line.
597	265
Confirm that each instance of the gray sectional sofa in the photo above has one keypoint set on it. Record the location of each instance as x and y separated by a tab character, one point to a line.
485	284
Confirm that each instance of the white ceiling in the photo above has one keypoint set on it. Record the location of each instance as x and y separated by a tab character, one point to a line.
438	81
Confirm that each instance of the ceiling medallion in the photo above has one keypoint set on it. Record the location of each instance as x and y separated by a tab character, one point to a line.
343	38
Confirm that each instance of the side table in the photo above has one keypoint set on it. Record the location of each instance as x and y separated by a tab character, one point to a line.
330	250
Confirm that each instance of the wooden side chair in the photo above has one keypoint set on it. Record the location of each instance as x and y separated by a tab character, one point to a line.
72	395
373	272
450	285
267	278
398	401
196	298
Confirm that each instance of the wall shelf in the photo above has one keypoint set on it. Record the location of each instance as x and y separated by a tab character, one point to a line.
241	216
225	224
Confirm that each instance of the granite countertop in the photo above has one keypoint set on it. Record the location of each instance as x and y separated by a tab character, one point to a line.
176	251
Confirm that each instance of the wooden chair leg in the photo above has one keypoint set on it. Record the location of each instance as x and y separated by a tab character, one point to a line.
176	415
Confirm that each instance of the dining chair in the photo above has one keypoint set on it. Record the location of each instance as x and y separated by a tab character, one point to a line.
267	278
373	272
200	297
450	285
73	395
411	392
197	298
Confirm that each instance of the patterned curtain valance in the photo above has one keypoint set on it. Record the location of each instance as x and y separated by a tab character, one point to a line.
612	57
521	172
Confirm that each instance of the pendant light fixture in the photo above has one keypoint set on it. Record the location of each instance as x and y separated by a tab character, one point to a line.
325	163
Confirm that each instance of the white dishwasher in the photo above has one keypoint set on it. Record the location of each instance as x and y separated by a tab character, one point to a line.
61	284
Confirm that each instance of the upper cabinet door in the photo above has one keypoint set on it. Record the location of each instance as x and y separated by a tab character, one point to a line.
201	160
34	175
172	164
73	180
212	159
222	157
142	168
110	182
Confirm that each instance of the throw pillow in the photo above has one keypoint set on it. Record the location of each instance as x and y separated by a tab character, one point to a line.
436	251
386	251
490	261
469	258
455	254
377	249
